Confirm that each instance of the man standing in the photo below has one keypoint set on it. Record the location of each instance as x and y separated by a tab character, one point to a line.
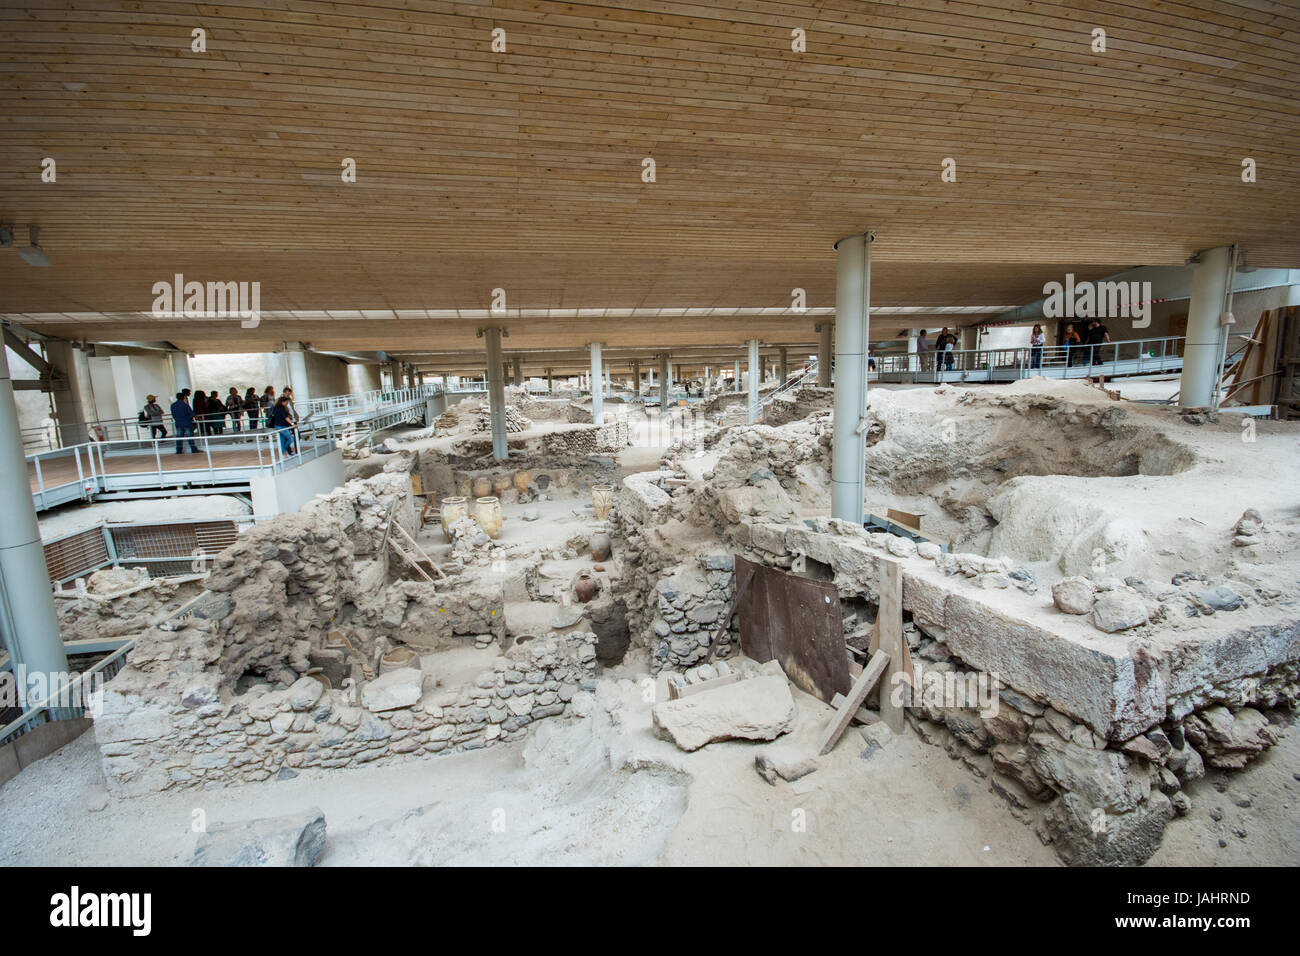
183	416
282	421
1093	338
154	416
922	351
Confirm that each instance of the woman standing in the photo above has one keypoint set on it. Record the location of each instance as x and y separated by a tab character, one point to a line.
1036	342
235	409
251	407
201	411
267	404
1070	339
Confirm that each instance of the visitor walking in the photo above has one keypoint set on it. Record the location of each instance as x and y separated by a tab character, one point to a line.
922	351
282	421
1070	341
153	414
200	412
945	344
235	409
1094	338
216	414
266	404
1036	342
251	407
183	416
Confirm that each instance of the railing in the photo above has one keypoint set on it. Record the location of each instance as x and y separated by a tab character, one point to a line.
1131	357
69	700
790	385
52	435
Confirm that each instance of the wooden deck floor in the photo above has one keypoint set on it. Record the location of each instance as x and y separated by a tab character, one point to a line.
63	470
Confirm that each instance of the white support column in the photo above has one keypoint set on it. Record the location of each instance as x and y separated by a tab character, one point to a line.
296	365
182	373
735	379
912	338
755	372
852	332
826	331
597	392
1203	348
28	623
496	380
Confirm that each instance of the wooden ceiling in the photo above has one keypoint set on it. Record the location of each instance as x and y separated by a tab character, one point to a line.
523	170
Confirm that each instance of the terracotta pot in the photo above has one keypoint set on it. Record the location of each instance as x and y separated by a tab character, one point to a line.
600	544
464	486
543	482
481	487
586	587
522	480
488	515
453	509
501	484
602	499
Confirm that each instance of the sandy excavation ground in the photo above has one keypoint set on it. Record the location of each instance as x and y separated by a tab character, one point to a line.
604	791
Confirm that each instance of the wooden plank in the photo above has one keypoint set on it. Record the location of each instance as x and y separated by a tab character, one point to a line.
889	620
876	667
691	689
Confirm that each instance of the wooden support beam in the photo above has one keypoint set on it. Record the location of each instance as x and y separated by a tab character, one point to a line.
848	710
889	624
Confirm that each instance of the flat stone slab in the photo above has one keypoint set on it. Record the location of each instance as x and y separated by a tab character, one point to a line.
295	839
760	708
400	688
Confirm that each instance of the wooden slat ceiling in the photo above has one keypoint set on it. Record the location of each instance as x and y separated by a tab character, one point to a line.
522	170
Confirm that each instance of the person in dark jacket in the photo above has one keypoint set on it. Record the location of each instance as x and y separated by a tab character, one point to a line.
216	413
183	416
251	407
200	412
282	422
235	410
267	404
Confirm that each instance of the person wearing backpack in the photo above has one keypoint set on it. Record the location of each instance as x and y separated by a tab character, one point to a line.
152	415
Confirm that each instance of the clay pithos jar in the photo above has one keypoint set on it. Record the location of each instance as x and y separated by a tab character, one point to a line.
488	514
600	545
586	587
452	510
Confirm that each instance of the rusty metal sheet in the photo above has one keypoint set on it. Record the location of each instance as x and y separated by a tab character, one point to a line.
797	622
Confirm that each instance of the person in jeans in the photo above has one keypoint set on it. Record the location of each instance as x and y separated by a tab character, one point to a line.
945	344
282	422
199	415
235	409
154	415
1036	342
1070	339
216	414
183	416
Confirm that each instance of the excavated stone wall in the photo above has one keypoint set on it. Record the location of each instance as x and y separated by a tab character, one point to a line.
173	720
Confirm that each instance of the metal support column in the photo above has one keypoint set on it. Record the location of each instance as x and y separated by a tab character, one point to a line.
1203	346
28	623
824	344
663	383
853	327
597	383
496	392
755	373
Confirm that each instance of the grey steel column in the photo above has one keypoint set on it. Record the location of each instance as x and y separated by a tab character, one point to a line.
550	380
785	367
663	383
496	393
1203	346
519	371
735	380
636	378
28	624
852	331
826	330
597	385
755	373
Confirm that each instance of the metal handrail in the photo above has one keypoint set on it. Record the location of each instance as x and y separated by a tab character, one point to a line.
1023	359
36	714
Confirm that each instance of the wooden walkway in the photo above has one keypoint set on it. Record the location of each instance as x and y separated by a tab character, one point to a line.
63	470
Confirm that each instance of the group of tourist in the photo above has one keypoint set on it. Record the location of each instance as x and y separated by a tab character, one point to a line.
207	414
